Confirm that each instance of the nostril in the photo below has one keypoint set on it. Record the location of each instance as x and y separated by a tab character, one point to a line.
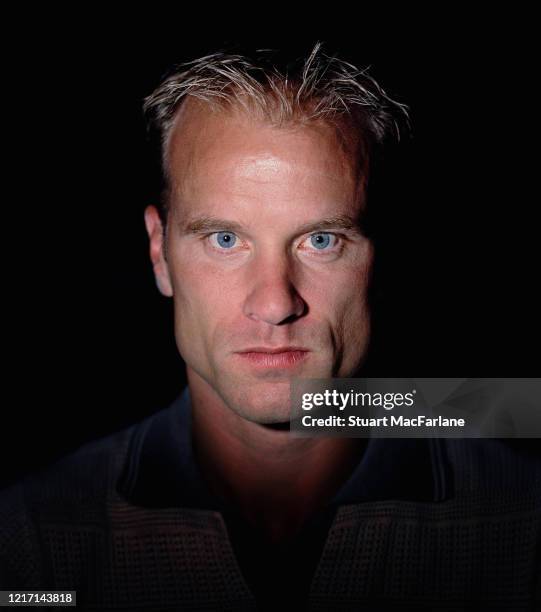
290	319
300	310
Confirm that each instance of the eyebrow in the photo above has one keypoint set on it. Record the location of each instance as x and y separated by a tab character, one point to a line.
212	224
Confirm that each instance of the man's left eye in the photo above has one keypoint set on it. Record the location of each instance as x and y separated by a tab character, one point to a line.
322	241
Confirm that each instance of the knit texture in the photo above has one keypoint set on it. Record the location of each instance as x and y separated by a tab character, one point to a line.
71	526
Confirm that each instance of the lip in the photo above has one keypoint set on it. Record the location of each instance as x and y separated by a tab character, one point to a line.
272	350
277	357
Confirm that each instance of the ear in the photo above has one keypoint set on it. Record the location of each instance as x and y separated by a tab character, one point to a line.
155	232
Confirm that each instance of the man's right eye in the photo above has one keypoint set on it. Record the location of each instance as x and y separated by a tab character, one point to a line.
223	240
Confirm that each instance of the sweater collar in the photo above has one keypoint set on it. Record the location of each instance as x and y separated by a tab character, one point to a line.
161	470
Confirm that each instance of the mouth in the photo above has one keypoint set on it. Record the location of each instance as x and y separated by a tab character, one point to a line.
279	357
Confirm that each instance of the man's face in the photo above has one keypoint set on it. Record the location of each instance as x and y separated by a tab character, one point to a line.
263	254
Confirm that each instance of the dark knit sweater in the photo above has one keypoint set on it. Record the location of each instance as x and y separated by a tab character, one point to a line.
128	523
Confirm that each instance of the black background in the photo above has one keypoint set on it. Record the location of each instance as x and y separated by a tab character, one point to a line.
93	342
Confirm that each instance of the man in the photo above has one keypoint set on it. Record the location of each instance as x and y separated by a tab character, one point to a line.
260	241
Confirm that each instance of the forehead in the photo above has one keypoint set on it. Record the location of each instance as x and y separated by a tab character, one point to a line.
216	157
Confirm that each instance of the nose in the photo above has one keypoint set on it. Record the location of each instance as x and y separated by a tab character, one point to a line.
273	297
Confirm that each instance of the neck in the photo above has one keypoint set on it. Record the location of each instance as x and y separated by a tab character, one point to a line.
274	480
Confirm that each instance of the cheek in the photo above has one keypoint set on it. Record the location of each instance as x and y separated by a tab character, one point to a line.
352	312
205	299
339	294
356	324
340	300
190	286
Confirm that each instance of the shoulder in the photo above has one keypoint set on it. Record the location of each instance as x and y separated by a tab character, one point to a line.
77	485
496	467
97	473
90	472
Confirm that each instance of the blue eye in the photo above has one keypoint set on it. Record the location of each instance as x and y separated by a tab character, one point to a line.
321	241
226	239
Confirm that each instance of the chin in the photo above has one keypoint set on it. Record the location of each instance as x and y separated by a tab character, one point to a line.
263	403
